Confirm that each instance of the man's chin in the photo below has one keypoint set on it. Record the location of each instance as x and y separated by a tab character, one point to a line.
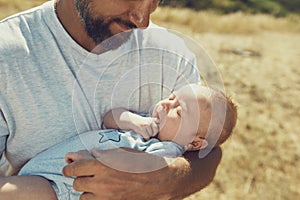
114	41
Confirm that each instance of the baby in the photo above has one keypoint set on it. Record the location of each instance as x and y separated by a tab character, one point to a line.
192	118
178	119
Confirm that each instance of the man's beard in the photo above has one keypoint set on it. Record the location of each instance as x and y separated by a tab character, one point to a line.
98	30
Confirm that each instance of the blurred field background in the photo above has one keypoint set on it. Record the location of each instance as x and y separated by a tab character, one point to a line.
257	53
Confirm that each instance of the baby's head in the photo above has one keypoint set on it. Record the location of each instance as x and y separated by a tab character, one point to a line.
195	117
218	115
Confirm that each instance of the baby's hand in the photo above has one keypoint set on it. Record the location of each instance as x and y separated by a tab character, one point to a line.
146	127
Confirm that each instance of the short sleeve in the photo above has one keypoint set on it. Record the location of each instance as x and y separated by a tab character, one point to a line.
3	133
3	138
164	149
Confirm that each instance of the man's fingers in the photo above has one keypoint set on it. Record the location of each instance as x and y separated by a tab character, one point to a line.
129	160
81	168
91	184
81	184
87	196
79	155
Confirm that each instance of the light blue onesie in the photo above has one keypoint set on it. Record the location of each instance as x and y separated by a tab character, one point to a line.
49	163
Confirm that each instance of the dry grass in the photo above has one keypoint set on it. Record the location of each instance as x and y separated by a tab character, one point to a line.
232	23
262	158
8	7
258	58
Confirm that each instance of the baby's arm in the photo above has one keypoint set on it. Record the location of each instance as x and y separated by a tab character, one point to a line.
120	118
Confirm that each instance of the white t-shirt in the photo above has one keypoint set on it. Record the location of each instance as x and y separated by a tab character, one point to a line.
52	89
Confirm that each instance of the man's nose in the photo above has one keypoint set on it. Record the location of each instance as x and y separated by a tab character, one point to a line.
140	14
140	19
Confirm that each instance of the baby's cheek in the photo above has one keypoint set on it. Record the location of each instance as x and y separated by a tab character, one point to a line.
173	126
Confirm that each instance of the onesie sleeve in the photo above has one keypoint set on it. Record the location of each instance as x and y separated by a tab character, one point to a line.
3	138
164	149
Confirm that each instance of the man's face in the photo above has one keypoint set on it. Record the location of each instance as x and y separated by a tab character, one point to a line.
105	18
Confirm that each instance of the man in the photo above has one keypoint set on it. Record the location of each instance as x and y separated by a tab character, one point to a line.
45	97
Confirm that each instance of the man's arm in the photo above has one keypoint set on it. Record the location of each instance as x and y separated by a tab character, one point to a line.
202	172
20	187
26	188
126	174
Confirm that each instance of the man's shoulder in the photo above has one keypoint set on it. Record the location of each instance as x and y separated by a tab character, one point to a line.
159	36
16	29
164	39
25	15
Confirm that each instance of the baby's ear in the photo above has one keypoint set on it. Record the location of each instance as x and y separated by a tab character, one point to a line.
197	144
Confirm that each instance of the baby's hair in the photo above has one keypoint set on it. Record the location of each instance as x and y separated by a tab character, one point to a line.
230	119
227	122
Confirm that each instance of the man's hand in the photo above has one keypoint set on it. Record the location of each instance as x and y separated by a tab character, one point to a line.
119	174
127	174
77	156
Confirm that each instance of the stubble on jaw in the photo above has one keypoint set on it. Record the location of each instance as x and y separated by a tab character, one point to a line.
99	30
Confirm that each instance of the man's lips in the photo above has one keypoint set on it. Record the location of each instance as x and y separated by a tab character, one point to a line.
124	25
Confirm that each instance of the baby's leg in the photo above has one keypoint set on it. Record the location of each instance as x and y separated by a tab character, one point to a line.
49	164
26	187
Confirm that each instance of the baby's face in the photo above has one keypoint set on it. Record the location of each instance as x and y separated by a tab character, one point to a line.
179	115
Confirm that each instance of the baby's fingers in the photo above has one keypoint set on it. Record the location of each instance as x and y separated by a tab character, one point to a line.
145	133
154	128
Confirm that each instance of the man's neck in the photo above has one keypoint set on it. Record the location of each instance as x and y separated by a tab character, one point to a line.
67	14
